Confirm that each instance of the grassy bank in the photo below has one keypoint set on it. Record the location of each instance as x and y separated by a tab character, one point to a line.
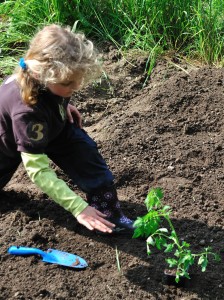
193	28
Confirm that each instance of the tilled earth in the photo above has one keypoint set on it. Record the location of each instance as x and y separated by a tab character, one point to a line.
168	134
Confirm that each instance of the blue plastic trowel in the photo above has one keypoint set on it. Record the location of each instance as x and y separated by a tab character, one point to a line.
51	256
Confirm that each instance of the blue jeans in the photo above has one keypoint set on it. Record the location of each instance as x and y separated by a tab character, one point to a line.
76	154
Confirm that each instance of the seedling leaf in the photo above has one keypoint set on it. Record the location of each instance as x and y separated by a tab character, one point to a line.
217	257
169	248
163	230
148	250
203	261
172	262
150	241
153	198
137	233
160	242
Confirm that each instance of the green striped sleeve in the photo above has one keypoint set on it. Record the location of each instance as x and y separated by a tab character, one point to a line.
38	169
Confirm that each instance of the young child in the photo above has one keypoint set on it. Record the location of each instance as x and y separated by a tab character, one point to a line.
35	128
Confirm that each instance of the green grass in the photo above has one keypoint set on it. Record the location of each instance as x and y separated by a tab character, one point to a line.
192	28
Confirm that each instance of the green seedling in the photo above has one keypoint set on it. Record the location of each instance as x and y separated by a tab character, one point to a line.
118	260
166	238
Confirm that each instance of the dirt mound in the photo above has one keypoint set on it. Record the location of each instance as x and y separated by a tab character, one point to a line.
167	134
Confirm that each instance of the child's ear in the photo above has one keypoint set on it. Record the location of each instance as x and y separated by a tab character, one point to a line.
35	75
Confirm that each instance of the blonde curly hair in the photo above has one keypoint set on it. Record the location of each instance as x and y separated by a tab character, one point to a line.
55	54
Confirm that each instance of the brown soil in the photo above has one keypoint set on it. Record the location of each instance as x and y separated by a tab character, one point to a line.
169	134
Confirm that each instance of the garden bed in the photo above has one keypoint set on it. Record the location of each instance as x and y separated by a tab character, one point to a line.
169	134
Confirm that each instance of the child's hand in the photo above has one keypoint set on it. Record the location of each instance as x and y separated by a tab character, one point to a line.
74	115
92	219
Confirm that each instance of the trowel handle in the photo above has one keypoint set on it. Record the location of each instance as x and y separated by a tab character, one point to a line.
17	250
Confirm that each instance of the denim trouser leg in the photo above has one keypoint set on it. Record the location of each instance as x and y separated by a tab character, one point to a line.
8	166
78	156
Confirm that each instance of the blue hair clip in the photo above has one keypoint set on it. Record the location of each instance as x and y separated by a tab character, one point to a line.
22	63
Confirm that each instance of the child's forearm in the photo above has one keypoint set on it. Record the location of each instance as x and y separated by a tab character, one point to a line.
37	167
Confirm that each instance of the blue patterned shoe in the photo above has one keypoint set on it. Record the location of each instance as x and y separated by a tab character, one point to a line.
123	224
106	201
